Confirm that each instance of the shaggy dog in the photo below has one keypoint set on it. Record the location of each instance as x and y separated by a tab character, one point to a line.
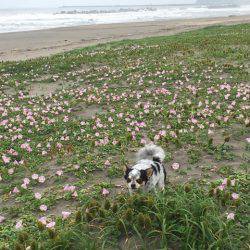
149	172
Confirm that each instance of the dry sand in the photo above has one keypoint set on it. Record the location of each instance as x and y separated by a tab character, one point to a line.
32	44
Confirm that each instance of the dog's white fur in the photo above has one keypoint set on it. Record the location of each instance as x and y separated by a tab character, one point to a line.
151	151
149	172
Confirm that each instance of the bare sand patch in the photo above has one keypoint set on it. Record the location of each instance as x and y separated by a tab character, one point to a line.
45	89
86	112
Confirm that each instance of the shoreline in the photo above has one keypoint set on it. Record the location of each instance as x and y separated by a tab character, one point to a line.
16	46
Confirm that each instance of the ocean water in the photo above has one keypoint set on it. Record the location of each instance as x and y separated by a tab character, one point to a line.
15	20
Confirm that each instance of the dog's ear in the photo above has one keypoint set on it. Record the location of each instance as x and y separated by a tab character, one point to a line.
126	168
126	171
149	172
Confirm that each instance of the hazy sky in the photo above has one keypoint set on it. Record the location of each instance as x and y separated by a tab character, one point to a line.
49	3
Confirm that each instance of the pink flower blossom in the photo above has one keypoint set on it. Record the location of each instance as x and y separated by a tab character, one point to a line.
11	171
51	224
41	179
38	196
105	192
15	190
34	176
230	216
2	219
59	172
107	163
26	181
19	224
43	220
248	140
114	142
224	182
24	186
65	214
221	187
76	167
175	166
74	194
43	208
163	133
6	159
235	196
69	188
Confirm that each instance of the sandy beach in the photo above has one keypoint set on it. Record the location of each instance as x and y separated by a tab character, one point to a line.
32	44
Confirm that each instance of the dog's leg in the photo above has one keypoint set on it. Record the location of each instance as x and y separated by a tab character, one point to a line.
161	184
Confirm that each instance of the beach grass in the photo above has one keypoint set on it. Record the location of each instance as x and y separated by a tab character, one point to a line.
69	123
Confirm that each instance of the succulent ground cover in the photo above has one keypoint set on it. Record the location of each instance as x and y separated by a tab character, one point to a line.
69	123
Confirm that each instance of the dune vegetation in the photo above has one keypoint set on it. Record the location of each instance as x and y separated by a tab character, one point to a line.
69	124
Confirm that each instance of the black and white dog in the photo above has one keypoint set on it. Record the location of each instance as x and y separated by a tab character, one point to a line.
149	172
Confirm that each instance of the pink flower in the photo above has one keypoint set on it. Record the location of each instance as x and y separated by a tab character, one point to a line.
224	182
162	133
2	219
43	208
69	188
11	171
34	176
26	181
66	118
230	216
38	196
41	179
74	194
24	186
114	142
76	167
105	192
51	224
157	137
65	214
221	187
175	166
107	163
235	196
15	190
248	139
43	220
59	172
6	159
19	224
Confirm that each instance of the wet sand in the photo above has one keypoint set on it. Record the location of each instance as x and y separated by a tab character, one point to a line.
33	44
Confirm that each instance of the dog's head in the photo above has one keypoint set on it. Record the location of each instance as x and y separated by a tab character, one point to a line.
137	178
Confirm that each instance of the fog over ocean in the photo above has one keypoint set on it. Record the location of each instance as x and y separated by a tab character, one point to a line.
12	20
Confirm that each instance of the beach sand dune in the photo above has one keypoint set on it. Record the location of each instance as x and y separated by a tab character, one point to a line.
32	44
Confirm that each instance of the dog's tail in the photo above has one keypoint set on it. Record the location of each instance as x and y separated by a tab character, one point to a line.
151	152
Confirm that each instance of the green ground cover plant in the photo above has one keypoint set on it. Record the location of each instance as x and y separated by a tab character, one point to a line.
69	123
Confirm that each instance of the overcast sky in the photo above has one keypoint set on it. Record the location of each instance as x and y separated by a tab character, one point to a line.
49	3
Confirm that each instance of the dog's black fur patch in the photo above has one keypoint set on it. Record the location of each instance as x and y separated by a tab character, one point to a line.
157	159
158	166
144	176
127	173
165	173
154	169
